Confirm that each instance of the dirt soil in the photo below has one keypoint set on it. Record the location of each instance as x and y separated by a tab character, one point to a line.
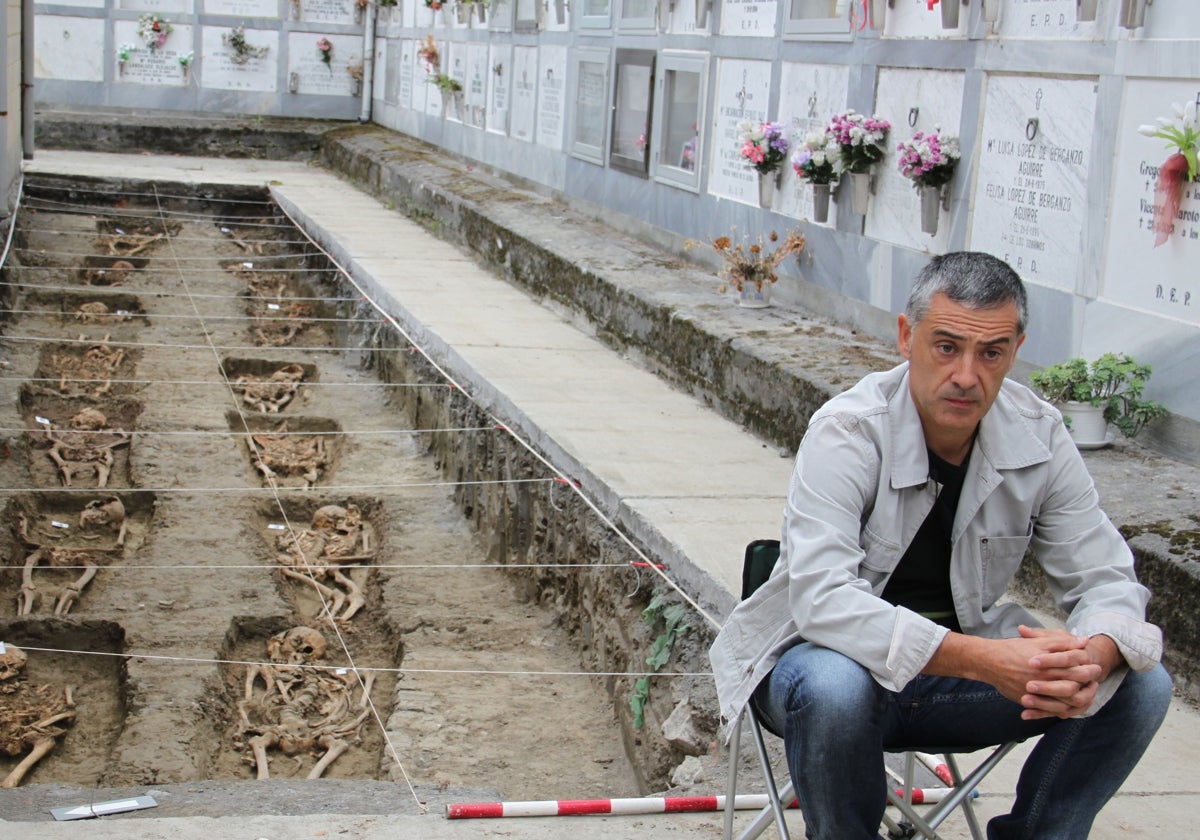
156	305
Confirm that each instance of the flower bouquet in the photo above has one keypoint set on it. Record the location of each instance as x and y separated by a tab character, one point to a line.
860	141
928	160
429	54
1183	135
814	163
765	146
153	30
325	50
185	63
749	266
124	53
243	51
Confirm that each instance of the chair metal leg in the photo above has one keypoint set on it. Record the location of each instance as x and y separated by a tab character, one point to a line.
776	798
765	761
735	745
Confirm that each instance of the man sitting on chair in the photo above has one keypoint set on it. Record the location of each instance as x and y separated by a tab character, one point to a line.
914	496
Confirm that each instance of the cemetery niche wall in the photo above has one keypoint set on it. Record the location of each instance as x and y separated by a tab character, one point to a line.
637	107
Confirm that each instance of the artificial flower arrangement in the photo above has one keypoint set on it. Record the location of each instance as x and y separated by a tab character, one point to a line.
429	52
185	61
1183	135
125	52
154	30
445	82
815	158
749	262
928	160
436	5
243	51
325	49
860	140
765	146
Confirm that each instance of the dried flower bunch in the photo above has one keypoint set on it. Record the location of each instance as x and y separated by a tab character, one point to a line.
860	140
325	49
928	160
754	261
765	146
243	51
814	160
429	52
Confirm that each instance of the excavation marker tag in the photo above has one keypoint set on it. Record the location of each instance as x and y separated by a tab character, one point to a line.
3	650
276	527
247	265
341	672
272	306
99	809
58	524
42	420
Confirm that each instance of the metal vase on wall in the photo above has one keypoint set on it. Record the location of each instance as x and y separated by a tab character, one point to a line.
560	12
702	13
821	202
931	208
1133	14
767	182
860	192
1086	9
950	9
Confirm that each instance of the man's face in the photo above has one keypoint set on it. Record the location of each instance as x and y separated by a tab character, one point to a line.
958	358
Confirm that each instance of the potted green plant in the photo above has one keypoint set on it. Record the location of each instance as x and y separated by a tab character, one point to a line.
1110	388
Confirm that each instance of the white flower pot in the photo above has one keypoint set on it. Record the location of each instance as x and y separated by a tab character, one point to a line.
1086	9
931	209
751	297
766	189
950	9
1133	14
821	202
1089	429
860	192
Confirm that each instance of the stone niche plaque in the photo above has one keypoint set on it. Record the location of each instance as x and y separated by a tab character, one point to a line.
1163	280
81	4
242	8
1044	19
476	85
753	18
383	73
928	99
810	95
159	66
69	48
454	61
406	73
500	73
1031	189
308	74
743	93
681	19
424	90
914	19
524	93
1172	19
339	12
223	72
552	96
179	7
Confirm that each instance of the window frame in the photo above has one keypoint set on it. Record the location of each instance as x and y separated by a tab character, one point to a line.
679	61
624	163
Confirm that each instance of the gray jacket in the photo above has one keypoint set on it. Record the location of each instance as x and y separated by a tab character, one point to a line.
858	494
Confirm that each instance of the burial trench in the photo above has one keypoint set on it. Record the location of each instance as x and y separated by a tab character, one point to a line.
265	444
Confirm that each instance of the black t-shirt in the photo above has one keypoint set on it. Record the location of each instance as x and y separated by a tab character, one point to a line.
921	581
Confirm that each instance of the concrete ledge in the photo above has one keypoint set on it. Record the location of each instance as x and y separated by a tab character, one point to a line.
765	369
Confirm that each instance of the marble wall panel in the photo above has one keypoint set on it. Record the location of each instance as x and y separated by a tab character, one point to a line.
380	89
753	18
809	95
929	100
500	77
681	19
406	72
159	66
477	78
1030	192
743	93
914	19
1173	19
315	76
1162	280
524	93
242	8
1044	19
82	4
221	72
339	12
552	96
69	48
183	7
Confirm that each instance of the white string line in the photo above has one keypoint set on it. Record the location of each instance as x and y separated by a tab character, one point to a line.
520	440
259	348
292	532
308	491
133	291
303	384
36	432
38	202
12	221
415	567
60	313
227	230
498	672
254	258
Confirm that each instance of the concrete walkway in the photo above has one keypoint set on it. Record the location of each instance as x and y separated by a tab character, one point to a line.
690	482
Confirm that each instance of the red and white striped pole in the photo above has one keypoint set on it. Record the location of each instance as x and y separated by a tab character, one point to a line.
582	807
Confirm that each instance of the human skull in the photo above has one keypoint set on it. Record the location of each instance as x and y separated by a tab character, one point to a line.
328	517
89	420
98	512
298	646
12	662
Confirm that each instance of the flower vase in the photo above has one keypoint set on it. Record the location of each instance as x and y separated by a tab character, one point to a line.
445	103
560	12
446	14
460	110
820	202
461	12
702	13
297	11
753	297
931	209
1133	13
358	13
1089	429
950	9
480	12
991	11
1086	9
860	192
767	182
878	10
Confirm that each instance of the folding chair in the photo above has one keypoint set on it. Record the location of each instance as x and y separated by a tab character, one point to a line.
761	556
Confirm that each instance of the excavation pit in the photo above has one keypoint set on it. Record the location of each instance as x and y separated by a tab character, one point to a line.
91	367
77	442
296	452
121	311
104	271
269	387
65	653
283	310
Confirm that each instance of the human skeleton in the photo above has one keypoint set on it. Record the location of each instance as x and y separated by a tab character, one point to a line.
276	319
271	393
30	717
87	445
303	708
316	555
99	363
280	453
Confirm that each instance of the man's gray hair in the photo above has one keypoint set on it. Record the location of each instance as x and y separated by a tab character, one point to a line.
971	278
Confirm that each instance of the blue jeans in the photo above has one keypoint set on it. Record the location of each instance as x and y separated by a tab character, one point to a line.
837	722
